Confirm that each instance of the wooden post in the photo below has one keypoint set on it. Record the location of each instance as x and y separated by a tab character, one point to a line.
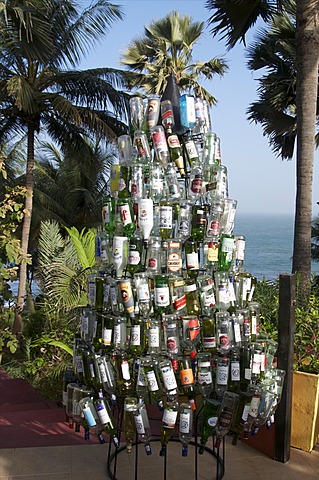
286	323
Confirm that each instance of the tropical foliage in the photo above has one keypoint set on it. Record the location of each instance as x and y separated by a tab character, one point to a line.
167	47
39	42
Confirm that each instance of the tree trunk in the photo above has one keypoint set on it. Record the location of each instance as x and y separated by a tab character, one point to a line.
307	61
26	226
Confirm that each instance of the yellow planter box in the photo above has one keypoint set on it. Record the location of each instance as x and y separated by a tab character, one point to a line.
305	411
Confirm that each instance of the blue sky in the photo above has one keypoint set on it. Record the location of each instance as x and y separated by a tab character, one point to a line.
258	180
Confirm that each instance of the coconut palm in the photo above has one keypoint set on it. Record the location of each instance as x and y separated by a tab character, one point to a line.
39	42
165	48
232	20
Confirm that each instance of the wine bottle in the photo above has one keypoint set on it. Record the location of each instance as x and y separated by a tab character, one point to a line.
162	299
199	222
185	425
166	218
130	406
137	337
209	334
192	297
135	252
222	374
227	244
160	145
153	380
204	374
209	420
234	378
106	418
168	377
154	336
192	257
123	373
168	423
142	426
227	410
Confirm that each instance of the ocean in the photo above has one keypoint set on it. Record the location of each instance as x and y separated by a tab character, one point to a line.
269	244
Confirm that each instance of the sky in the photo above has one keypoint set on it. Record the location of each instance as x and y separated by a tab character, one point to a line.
259	180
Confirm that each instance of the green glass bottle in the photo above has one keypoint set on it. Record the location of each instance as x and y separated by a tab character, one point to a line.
209	334
153	380
209	420
126	216
162	301
225	254
192	297
124	182
199	222
106	418
108	214
234	373
135	253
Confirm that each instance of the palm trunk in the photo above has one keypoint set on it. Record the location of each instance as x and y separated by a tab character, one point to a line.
26	226
307	58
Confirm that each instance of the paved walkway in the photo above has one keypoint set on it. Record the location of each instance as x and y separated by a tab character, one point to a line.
36	444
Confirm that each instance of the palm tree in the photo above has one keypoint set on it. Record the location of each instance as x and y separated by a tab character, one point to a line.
232	19
165	48
39	41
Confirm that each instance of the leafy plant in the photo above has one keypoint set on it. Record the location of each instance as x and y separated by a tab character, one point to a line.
307	337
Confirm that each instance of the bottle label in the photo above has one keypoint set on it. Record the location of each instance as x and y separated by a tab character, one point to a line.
152	381
107	336
141	380
180	303
162	296
169	379
173	141
192	261
209	342
84	324
256	364
134	257
214	227
102	372
228	245
106	292
212	254
253	325
169	418
154	337
205	378
225	418
125	369
185	422
254	406
125	214
152	263
240	248
89	416
191	149
143	292
196	185
174	262
186	376
79	368
235	371
246	327
212	421
190	288
102	413
183	227
237	333
139	424
222	374
166	217
209	299
172	345
224	340
135	335
247	374
245	412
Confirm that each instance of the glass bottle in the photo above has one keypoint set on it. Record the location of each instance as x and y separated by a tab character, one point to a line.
127	216
162	299
192	154
254	315
166	218
145	217
106	418
224	331
143	295
174	257
168	423
130	406
199	222
120	254
153	256
137	336
192	297
123	373
206	294
119	333
154	336
227	411
209	334
192	257
138	109
168	377
171	331
245	366
160	144
234	370
209	420
210	251
222	374
184	220
222	290
153	381
126	294
135	252
186	376
153	112
204	374
185	425
142	426
195	181
225	257
108	213
187	111
156	181
178	297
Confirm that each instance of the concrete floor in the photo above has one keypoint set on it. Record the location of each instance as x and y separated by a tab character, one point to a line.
88	462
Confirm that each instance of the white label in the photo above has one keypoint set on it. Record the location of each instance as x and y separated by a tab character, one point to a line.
117	334
125	214
192	261
154	336
240	246
139	424
162	296
256	364
125	370
135	335
143	292
152	381
169	379
102	413
106	292
227	245
184	422
209	299
235	371
254	325
237	332
205	378
212	421
79	364
169	418
222	375
166	217
247	373
107	336
134	257
84	324
245	412
102	372
253	411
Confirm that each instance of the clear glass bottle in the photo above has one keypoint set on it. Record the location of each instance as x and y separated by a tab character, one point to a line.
142	426
192	257
204	374
130	406
168	423
185	425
